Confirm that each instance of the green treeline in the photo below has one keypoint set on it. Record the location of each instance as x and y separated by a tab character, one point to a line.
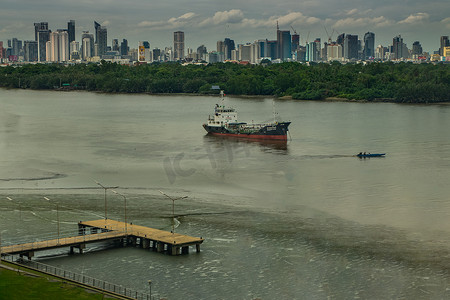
400	82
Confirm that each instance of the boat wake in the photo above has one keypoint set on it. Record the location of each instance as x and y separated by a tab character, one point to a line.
49	177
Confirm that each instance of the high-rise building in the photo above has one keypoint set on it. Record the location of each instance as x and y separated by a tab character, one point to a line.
124	47
71	30
369	45
2	51
272	49
220	46
228	47
74	50
53	55
284	44
318	43
156	54
295	41
201	52
397	47
245	52
38	27
380	52
446	51
350	46
30	50
178	45
445	42
59	46
87	45
115	45
334	52
311	52
16	46
43	36
101	39
416	48
144	51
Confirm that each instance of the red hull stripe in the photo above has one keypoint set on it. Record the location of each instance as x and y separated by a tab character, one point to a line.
253	136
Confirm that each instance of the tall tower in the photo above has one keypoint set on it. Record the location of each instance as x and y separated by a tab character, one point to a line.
38	27
71	30
229	46
397	47
42	36
178	45
295	41
444	43
124	47
369	45
87	45
417	48
283	43
350	46
101	38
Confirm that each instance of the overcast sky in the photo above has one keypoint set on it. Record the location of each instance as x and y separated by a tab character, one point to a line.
207	21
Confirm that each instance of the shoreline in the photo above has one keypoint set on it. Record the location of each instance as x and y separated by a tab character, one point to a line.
327	99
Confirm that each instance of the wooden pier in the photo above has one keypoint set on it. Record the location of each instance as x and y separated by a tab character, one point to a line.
107	229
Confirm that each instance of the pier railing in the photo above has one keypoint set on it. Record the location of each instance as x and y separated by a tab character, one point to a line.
97	284
55	241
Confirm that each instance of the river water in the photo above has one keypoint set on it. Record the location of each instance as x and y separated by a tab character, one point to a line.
302	221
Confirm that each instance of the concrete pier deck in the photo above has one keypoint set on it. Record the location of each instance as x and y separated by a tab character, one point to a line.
107	229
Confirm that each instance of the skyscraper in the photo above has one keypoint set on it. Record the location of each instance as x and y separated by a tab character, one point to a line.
115	45
30	50
87	45
369	45
71	30
444	43
59	46
201	52
44	37
178	45
350	46
397	47
124	47
229	46
38	27
144	51
311	51
220	46
284	44
101	38
417	48
295	41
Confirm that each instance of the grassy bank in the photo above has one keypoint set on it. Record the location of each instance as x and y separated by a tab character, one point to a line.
15	285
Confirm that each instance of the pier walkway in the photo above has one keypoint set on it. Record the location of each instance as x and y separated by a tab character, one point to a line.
107	229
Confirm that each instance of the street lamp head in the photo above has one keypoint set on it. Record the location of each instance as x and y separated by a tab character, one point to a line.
149	282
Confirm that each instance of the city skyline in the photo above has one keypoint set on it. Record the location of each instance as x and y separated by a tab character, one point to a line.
205	23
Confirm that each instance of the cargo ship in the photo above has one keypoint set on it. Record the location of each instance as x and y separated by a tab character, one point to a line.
224	122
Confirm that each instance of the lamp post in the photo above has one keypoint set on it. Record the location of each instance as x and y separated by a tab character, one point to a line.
173	208
125	200
20	207
105	188
57	215
150	287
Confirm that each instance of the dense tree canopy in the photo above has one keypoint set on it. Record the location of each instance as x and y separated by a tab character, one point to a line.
401	82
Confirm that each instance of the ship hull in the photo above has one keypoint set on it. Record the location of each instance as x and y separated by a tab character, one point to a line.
277	132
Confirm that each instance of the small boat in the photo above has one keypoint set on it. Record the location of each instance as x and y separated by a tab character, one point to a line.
370	154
